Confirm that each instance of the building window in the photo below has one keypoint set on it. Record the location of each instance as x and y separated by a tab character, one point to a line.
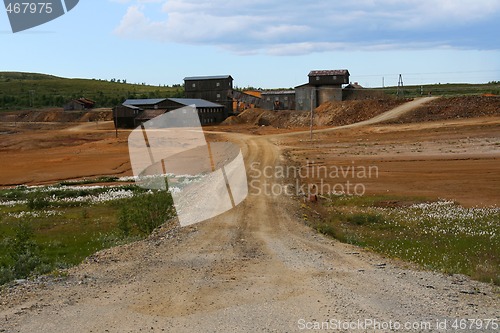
194	85
286	98
218	95
317	78
218	84
335	77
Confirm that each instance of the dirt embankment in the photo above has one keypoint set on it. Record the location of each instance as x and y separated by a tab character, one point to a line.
328	114
56	115
453	108
332	114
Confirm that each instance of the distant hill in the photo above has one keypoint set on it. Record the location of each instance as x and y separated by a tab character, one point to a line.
23	90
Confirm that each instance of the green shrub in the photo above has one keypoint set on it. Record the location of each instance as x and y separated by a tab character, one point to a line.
38	202
365	219
23	254
327	229
6	275
145	213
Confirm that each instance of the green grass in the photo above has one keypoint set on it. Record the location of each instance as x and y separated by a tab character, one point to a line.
52	91
61	232
86	181
440	236
450	89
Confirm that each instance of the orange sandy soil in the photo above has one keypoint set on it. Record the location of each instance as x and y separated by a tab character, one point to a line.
47	153
452	159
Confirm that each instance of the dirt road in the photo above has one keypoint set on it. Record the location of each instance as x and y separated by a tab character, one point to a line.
256	268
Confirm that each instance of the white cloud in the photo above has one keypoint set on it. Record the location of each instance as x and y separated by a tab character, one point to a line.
298	27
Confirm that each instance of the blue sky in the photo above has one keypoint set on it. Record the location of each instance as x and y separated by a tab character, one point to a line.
268	44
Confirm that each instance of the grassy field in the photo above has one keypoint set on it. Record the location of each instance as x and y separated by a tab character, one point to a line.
23	90
438	235
446	89
43	229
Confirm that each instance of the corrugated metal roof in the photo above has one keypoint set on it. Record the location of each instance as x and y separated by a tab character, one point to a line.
354	85
329	72
149	101
199	103
216	77
278	92
303	86
131	107
150	114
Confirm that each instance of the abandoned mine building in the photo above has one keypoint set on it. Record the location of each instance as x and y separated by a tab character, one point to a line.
278	100
216	89
323	86
133	112
79	104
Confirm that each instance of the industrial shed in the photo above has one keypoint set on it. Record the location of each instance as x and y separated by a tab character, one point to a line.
278	100
124	115
148	104
133	112
147	115
216	89
323	86
335	78
243	100
209	113
354	91
79	104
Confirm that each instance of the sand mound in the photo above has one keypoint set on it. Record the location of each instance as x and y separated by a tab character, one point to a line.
453	108
328	114
233	120
251	116
350	112
57	115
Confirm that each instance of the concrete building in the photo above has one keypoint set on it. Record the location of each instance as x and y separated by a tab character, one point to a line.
303	94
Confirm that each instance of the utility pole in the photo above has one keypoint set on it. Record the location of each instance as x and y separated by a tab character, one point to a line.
400	91
383	82
312	113
115	111
32	97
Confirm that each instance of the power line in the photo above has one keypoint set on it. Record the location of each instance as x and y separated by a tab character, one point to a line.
430	73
